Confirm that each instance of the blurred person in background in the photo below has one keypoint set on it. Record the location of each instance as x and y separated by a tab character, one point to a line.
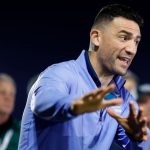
144	101
9	126
132	82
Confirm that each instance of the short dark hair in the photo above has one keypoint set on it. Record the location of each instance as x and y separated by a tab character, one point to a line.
109	12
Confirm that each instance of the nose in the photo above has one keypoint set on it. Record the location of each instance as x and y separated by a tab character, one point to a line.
131	48
7	97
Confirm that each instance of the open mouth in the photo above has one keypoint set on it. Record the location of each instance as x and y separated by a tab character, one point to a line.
125	60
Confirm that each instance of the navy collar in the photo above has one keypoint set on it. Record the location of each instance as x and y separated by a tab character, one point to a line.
118	80
91	70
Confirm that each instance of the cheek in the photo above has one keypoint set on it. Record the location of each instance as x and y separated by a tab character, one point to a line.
1	101
10	103
109	51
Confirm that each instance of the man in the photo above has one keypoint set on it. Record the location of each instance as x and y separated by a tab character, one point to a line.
9	127
76	105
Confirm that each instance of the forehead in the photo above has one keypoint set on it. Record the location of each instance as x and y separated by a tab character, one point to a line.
120	23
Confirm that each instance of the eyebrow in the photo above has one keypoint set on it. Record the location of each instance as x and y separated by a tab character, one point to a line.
129	33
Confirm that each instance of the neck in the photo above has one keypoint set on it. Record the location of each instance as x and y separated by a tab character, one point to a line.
104	76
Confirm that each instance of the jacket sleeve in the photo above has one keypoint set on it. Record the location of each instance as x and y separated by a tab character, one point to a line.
51	98
126	142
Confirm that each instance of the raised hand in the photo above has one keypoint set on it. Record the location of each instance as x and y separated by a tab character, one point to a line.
94	101
135	124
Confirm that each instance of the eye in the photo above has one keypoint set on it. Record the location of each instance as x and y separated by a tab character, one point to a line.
137	42
124	37
2	92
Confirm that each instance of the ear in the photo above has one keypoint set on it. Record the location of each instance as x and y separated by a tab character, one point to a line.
95	36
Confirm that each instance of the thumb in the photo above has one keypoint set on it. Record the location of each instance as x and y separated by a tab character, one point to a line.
112	102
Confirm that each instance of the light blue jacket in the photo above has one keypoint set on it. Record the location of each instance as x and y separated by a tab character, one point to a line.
47	123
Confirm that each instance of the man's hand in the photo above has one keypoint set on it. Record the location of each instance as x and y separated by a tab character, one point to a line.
135	124
93	101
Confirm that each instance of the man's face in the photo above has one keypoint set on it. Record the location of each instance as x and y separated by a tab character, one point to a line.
118	45
7	97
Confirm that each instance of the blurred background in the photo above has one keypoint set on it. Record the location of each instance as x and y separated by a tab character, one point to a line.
36	35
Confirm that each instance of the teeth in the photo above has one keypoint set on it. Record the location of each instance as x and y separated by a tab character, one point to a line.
124	59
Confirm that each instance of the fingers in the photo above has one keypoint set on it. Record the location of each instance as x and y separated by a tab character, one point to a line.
91	96
132	110
113	114
145	137
98	94
112	102
143	134
105	90
140	114
143	124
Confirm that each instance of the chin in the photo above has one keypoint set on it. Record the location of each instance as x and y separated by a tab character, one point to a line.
121	72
